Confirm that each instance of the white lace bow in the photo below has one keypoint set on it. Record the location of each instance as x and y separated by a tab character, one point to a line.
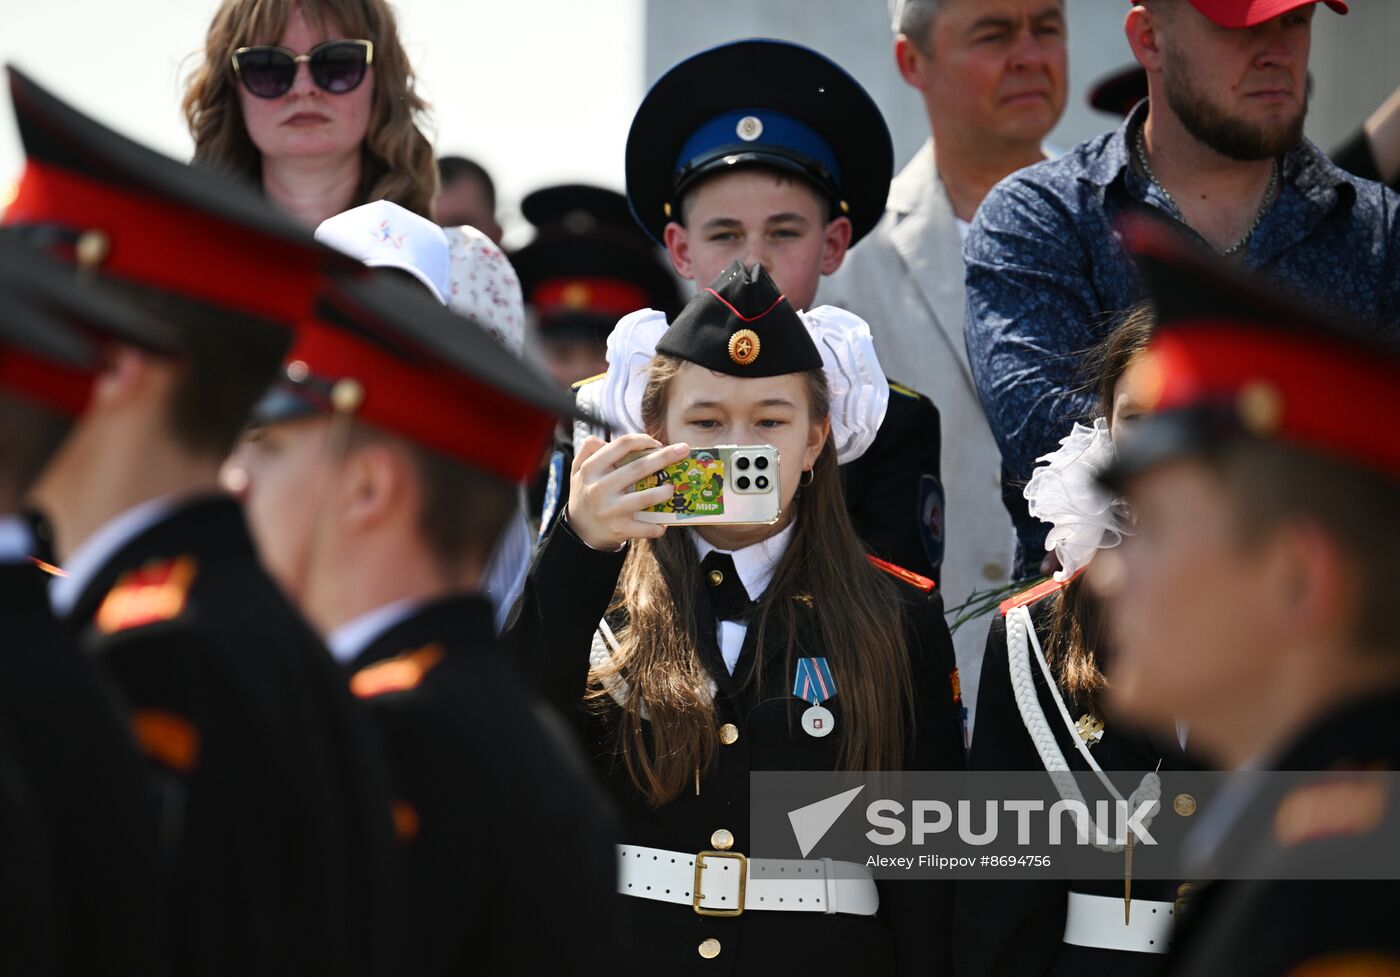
1064	491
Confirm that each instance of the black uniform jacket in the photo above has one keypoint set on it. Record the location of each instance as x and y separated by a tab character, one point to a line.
566	594
506	839
1014	928
894	491
275	797
1278	924
91	789
31	942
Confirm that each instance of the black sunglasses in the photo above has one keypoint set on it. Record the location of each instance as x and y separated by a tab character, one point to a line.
336	66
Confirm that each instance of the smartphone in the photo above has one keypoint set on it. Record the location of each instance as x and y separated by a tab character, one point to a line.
724	485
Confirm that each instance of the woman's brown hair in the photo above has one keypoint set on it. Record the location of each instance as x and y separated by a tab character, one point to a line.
397	159
824	574
1075	631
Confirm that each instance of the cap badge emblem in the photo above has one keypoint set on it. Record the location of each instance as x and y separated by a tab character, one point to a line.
1260	407
744	346
750	128
575	295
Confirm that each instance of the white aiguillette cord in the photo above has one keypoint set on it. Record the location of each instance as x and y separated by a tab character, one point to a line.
605	645
1020	640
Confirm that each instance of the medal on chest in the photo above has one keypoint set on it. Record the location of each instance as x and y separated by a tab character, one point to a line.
812	683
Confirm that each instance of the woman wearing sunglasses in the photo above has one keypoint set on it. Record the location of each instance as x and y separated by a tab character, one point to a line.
692	655
312	100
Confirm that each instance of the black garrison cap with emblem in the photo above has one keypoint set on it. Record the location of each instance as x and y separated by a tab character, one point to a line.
1235	356
742	325
759	102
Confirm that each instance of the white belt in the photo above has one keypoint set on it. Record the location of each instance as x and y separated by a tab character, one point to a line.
731	883
1097	921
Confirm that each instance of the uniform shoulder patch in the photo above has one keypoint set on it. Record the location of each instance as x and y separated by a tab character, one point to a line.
1349	965
899	573
1027	597
903	391
155	592
48	568
407	824
1334	808
167	738
398	674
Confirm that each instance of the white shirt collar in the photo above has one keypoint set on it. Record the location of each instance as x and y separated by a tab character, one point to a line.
349	641
94	552
754	564
16	541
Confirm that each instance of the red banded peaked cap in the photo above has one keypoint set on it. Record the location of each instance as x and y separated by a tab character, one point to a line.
93	196
53	320
384	351
1236	356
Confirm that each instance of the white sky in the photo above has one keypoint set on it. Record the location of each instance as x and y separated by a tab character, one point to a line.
538	91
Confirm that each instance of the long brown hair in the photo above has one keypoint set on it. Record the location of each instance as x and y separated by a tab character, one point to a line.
1076	630
823	574
397	159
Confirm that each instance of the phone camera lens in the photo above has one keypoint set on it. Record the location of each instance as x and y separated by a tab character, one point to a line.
742	464
761	481
742	481
760	463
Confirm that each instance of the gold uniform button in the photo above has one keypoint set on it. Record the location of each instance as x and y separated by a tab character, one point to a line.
709	949
92	248
715	578
729	734
1184	889
722	840
1184	804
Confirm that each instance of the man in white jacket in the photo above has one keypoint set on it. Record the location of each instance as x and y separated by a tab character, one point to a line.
992	77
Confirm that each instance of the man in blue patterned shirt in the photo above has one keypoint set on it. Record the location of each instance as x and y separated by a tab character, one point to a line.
1218	148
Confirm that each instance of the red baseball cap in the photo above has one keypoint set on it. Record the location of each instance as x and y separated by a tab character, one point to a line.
1235	14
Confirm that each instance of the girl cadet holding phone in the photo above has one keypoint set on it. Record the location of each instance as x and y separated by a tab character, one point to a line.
676	649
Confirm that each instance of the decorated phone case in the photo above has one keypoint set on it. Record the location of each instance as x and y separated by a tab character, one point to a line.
727	484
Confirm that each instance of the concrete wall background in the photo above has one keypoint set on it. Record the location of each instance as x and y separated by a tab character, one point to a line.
1355	59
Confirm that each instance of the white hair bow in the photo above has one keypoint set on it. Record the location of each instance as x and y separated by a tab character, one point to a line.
1064	491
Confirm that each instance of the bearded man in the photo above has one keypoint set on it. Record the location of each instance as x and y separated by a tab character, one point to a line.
1218	148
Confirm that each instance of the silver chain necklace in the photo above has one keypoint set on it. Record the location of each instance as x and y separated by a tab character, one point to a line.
1269	195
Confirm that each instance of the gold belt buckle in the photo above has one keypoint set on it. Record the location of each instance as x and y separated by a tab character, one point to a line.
696	895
